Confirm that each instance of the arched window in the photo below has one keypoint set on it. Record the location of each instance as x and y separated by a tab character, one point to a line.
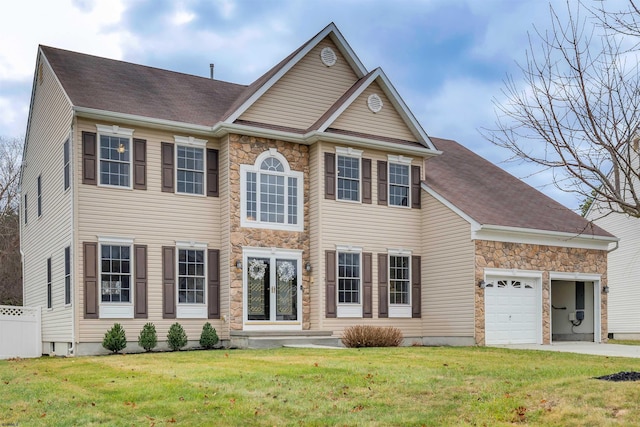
271	193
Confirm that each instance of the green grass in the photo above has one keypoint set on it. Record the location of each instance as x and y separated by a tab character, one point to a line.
312	387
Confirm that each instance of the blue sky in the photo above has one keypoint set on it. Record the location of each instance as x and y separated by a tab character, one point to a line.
446	58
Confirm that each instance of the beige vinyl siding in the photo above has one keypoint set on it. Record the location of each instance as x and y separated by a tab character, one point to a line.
151	218
623	270
316	193
359	118
375	229
225	238
305	92
46	236
448	272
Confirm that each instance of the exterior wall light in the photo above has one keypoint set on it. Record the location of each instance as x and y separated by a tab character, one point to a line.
239	265
307	267
605	289
482	284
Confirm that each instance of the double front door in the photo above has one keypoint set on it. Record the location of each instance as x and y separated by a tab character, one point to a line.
272	288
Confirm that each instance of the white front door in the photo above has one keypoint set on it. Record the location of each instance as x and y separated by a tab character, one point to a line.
512	311
272	283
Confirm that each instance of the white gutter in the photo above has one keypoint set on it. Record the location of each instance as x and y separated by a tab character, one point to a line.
557	234
221	129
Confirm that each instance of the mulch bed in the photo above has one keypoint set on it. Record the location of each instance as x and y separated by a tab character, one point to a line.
621	376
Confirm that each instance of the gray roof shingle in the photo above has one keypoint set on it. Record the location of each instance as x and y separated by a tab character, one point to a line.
122	87
491	196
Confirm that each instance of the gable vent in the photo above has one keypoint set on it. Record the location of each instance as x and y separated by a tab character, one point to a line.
374	103
328	56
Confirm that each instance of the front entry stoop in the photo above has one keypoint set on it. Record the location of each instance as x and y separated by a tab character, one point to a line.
275	339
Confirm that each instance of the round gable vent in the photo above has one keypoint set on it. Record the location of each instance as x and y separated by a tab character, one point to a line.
374	102
328	56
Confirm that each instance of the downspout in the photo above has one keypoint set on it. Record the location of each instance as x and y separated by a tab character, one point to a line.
615	247
74	305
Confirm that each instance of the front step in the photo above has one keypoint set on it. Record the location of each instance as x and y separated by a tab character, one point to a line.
275	339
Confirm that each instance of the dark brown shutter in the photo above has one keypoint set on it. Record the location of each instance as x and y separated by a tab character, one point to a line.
416	276
141	304
330	176
330	288
90	250
366	181
382	182
383	286
168	282
415	187
139	164
167	167
213	290
212	172
367	284
89	160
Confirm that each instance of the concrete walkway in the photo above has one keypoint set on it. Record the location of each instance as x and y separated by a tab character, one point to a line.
614	350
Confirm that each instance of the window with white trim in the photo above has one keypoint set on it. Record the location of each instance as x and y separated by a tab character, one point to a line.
190	155
114	153
115	273
399	283
399	181
349	173
191	276
271	193
67	275
67	166
349	286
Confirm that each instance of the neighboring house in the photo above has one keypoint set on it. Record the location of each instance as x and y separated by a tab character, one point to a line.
304	203
624	270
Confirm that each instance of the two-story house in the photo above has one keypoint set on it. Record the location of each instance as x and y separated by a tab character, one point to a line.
291	208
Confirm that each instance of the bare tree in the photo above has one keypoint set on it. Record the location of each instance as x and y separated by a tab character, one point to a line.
579	114
10	260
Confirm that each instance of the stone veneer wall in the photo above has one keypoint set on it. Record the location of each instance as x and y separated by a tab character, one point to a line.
244	150
490	254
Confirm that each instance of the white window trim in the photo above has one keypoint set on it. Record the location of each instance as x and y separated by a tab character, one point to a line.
348	309
404	161
117	310
353	153
399	310
186	310
271	253
115	130
255	168
190	141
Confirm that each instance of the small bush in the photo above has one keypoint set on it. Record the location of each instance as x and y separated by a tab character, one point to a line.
209	337
371	336
176	338
115	338
148	338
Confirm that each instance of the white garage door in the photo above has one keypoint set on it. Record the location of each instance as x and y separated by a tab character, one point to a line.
511	311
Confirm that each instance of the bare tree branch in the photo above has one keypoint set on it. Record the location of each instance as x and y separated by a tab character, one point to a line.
579	114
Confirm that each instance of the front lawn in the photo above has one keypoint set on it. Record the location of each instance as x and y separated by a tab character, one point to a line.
385	387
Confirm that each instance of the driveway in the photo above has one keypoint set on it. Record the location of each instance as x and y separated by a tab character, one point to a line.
615	350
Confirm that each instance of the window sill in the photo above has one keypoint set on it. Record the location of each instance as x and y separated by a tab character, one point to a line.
400	311
355	202
191	311
350	310
116	311
270	226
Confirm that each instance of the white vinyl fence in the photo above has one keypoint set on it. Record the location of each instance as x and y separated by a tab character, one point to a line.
20	333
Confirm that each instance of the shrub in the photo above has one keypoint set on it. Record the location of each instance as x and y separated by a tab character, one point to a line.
115	338
371	336
176	338
208	337
148	338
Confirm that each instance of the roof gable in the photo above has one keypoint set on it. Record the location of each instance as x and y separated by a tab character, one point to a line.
490	196
271	77
305	92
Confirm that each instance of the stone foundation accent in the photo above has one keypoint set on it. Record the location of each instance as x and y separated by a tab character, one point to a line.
244	150
504	255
